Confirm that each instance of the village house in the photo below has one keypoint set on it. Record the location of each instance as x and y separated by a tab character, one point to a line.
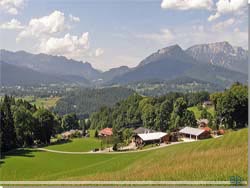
142	130
202	123
72	133
106	132
149	138
207	104
194	133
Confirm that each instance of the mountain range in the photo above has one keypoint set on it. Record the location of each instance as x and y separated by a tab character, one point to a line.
217	63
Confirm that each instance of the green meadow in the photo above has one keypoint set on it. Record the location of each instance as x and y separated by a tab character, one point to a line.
77	145
212	159
197	112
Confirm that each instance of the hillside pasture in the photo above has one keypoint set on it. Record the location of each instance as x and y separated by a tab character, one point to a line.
211	159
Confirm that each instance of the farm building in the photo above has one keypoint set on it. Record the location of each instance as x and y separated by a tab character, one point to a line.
142	130
154	137
207	104
202	123
194	133
71	133
106	132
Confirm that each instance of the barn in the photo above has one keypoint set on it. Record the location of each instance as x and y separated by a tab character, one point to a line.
194	133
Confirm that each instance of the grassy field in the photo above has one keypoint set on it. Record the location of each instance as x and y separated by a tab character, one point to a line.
42	102
77	145
197	112
212	159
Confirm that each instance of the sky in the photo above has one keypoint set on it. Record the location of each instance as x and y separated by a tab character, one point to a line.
112	33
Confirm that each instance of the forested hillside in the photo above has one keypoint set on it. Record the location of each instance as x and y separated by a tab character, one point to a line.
85	101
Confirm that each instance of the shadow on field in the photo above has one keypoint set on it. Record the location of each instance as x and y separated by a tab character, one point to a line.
17	153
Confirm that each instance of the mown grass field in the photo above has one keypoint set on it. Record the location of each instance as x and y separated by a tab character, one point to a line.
77	145
212	159
197	112
41	102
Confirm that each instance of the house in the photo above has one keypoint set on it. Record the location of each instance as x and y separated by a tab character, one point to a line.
154	137
142	130
202	123
207	104
194	133
106	132
71	134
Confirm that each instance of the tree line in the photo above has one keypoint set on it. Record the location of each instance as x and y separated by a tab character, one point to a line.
24	125
170	112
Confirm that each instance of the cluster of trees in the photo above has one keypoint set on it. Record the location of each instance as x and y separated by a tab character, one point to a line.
23	124
169	112
85	101
163	113
231	107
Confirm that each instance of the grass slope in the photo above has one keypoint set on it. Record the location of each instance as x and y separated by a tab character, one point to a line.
77	145
212	159
197	112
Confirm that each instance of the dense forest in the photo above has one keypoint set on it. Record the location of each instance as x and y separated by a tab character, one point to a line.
171	112
85	101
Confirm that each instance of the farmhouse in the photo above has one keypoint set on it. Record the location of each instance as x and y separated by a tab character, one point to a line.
154	137
202	123
194	133
71	133
106	132
207	104
142	130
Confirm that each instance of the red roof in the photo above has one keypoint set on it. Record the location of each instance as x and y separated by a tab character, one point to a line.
207	129
106	132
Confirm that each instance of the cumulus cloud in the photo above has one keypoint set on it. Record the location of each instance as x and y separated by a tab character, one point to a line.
11	6
74	18
228	6
187	4
99	52
71	46
12	25
37	27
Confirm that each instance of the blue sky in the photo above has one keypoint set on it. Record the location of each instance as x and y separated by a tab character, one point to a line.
111	33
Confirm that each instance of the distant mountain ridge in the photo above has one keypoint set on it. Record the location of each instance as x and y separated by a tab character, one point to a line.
49	64
17	75
222	54
173	62
217	63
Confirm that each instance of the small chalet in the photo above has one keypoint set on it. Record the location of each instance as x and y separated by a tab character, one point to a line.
154	137
106	132
202	123
194	133
142	130
207	104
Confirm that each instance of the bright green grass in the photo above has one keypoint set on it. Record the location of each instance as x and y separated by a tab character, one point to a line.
212	159
197	112
77	145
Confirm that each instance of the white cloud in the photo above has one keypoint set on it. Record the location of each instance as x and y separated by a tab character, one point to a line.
187	4
198	34
74	18
227	7
11	6
163	37
220	26
12	25
70	46
99	52
37	27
